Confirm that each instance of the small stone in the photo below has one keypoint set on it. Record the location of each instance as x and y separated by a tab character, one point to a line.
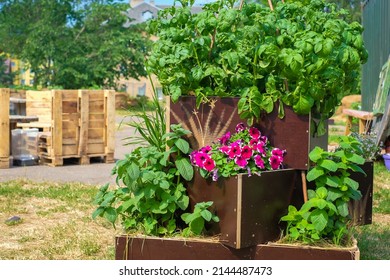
13	220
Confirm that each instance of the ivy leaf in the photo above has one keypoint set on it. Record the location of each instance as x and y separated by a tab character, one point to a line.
185	168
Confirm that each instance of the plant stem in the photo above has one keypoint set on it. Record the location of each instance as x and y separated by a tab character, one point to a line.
270	5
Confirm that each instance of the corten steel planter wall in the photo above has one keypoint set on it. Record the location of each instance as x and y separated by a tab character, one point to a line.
249	208
359	210
208	123
149	248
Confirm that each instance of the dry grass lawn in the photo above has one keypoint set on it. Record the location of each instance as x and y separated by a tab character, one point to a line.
56	222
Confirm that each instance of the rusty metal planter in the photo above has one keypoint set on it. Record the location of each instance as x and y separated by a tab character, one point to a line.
359	210
207	123
153	248
249	208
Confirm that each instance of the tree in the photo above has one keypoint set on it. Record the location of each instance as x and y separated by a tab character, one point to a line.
73	43
6	76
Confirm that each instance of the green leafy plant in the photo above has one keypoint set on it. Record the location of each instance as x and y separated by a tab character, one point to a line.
325	215
302	54
153	194
370	150
196	221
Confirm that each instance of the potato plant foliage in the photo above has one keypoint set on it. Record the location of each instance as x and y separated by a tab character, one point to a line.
302	54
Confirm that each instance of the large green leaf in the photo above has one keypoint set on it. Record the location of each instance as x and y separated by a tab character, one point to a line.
319	218
182	145
197	225
185	168
314	173
329	164
133	171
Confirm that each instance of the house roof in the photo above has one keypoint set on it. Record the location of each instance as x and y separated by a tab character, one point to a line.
144	11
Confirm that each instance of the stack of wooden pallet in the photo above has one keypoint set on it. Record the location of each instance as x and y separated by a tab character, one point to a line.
75	124
4	128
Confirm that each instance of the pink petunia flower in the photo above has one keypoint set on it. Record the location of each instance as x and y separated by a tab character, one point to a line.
259	161
254	133
205	149
225	149
241	162
260	147
277	152
240	127
200	158
225	138
209	164
275	162
246	152
215	175
234	151
253	143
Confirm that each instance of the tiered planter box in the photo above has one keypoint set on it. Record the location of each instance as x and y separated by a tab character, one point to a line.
150	248
208	123
77	124
4	128
249	208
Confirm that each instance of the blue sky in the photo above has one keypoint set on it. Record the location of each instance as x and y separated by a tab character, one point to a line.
170	2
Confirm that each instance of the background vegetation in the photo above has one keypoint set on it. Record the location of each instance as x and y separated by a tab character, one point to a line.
73	43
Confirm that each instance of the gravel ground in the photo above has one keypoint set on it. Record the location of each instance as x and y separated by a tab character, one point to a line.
94	173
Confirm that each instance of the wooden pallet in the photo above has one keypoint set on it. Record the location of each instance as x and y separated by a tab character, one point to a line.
82	127
4	128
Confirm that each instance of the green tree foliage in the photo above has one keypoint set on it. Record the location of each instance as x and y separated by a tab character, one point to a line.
6	76
73	43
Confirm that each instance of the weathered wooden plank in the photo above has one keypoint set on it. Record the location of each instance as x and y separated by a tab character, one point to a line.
4	128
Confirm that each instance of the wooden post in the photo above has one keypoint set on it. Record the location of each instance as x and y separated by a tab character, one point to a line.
109	98
57	128
4	128
84	126
304	185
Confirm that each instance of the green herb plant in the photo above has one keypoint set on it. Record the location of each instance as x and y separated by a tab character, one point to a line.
325	216
196	221
150	196
301	53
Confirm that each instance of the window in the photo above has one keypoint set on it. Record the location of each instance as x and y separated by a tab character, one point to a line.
142	90
160	94
147	15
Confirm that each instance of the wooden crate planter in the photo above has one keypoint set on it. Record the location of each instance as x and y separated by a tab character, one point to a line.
77	124
4	128
152	248
208	123
249	208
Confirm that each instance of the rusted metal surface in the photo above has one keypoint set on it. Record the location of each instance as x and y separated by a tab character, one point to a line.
361	210
146	248
249	208
210	122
